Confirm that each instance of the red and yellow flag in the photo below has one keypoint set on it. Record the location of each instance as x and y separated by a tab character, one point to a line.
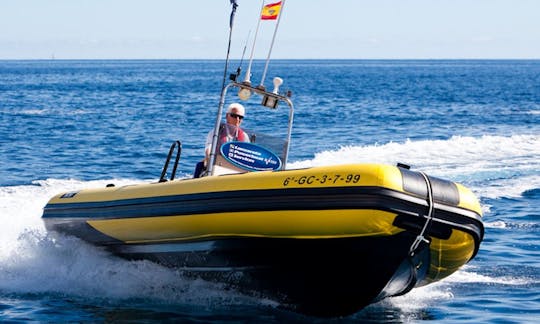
271	11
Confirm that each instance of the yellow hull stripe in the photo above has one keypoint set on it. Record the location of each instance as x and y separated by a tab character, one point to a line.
276	224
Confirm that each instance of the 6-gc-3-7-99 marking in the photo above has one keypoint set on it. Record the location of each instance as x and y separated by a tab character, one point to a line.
322	179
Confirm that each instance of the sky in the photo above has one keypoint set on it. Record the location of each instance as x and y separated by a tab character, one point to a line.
309	29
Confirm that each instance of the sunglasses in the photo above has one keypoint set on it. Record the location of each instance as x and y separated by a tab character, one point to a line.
233	115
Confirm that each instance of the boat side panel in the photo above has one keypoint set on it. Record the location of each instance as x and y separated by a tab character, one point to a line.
284	223
372	201
342	176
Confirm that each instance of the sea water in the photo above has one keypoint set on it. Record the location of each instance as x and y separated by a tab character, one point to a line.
67	125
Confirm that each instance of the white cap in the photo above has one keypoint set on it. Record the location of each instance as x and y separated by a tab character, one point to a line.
239	108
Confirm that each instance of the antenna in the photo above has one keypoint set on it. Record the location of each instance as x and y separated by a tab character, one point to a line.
231	23
248	72
245	93
234	77
212	156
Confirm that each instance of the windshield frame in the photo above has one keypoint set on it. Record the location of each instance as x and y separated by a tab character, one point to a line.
270	100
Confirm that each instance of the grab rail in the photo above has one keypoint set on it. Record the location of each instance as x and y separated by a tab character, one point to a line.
166	166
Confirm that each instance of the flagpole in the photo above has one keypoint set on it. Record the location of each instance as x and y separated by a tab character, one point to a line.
248	71
272	43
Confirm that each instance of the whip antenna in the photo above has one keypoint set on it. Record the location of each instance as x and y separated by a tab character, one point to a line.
212	156
242	59
231	23
248	72
245	47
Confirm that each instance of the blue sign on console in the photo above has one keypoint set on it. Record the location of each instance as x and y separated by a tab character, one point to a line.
250	156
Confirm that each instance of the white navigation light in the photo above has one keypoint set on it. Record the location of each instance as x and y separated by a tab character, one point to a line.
244	93
277	83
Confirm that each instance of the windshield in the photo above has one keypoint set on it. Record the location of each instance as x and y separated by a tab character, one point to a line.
274	144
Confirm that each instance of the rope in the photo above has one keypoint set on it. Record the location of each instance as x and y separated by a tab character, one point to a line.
421	237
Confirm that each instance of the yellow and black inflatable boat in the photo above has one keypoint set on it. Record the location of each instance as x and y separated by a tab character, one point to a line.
327	240
323	240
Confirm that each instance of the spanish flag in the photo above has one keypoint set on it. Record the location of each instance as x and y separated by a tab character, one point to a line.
271	11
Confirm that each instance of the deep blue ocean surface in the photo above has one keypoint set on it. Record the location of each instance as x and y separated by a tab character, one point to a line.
66	125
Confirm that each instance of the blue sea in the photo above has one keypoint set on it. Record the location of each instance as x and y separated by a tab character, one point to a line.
67	125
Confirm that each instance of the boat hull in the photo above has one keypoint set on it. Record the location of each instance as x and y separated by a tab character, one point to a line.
325	240
318	276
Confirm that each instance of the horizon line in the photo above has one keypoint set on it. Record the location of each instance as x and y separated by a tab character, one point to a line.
276	59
